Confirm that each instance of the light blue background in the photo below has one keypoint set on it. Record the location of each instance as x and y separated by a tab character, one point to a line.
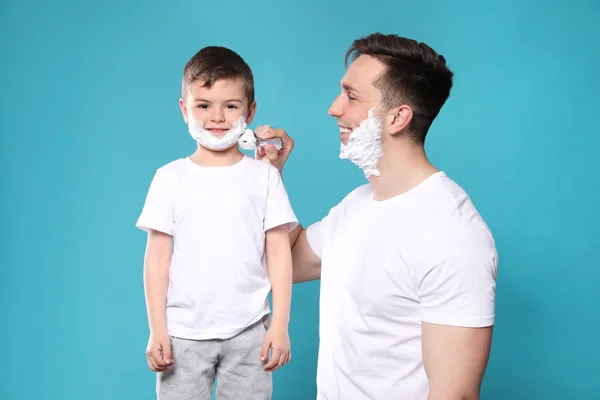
89	111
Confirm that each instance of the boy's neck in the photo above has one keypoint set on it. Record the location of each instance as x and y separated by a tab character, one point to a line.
210	158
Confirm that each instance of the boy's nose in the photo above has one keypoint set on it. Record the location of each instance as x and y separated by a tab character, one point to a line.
218	116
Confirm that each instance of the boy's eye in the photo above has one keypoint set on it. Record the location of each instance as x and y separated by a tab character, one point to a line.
232	106
203	106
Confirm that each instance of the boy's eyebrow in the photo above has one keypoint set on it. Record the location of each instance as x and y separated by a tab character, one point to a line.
226	101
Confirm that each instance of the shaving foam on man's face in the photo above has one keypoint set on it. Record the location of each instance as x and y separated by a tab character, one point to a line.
364	146
360	128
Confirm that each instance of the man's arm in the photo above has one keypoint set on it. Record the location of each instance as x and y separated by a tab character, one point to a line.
306	264
457	286
156	280
455	359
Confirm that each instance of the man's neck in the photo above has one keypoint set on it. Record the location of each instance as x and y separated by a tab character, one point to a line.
210	158
401	169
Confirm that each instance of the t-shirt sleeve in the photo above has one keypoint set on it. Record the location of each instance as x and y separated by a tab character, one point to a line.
279	210
157	212
315	235
456	277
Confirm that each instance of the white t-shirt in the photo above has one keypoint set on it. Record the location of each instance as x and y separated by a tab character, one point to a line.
425	255
218	217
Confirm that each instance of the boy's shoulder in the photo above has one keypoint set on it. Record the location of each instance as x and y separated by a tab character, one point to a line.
171	167
259	165
171	170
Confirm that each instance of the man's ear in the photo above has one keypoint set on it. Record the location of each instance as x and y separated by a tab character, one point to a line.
399	118
251	113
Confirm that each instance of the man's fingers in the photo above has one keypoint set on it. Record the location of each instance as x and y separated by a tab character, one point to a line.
271	152
269	134
261	131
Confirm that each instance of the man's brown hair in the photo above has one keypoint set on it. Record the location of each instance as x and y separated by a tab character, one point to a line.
213	63
415	75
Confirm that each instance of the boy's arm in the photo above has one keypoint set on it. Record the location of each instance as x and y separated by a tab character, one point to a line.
156	280
279	266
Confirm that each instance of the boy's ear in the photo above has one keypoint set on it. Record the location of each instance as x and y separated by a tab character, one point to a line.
183	110
251	113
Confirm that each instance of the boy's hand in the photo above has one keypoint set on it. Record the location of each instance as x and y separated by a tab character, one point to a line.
158	352
269	153
278	340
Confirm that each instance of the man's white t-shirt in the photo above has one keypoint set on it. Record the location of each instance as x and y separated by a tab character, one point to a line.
218	217
426	255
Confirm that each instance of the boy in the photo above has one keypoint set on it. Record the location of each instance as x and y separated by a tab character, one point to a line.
218	227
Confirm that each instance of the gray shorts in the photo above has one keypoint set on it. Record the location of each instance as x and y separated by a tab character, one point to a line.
234	362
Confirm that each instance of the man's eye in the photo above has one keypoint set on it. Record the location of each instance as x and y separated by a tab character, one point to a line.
350	97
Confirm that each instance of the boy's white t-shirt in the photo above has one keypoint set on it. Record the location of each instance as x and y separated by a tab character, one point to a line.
218	217
426	255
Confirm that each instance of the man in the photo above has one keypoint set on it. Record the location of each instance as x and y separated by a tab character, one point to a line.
407	264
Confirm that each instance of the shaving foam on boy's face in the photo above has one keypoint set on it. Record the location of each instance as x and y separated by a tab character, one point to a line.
217	114
212	141
364	147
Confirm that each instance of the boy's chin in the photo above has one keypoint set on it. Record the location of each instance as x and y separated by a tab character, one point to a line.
230	148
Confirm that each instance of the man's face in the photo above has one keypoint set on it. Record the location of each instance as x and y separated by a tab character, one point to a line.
358	95
219	107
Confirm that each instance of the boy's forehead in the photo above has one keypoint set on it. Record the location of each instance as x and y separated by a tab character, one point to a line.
229	86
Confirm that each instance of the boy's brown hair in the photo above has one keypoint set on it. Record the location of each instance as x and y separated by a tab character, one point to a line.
213	63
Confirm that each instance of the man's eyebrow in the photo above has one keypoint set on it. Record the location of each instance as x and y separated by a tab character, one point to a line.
348	88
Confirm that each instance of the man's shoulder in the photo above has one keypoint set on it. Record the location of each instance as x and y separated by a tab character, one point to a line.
360	193
458	223
352	199
446	200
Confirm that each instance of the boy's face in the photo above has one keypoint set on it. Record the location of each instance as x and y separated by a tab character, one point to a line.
219	107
